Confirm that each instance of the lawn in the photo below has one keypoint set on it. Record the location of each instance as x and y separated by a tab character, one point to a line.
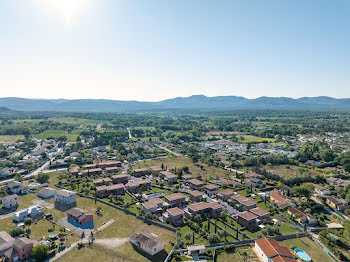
289	171
248	254
310	247
207	172
224	257
9	139
51	133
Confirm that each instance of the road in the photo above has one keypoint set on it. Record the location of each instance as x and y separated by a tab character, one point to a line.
168	150
36	171
130	136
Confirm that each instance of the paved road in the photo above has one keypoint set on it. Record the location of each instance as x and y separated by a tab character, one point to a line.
130	136
170	151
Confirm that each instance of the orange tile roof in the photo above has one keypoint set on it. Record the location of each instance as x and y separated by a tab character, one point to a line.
175	196
272	248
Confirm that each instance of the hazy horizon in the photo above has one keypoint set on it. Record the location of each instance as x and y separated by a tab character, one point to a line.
156	50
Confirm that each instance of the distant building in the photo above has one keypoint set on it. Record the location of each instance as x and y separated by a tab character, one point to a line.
321	191
176	200
226	194
102	181
204	209
14	187
140	172
336	203
284	190
66	197
147	242
30	212
10	201
175	216
46	192
137	186
280	201
195	184
152	206
121	178
15	249
168	176
105	191
269	250
196	196
80	218
211	189
247	220
187	177
302	217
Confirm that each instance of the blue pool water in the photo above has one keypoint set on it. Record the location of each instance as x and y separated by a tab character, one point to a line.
155	195
34	185
303	256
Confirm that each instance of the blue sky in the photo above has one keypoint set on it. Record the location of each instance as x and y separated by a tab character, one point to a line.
152	50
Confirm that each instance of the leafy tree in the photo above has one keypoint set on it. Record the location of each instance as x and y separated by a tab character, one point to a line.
188	235
213	238
39	252
43	178
16	231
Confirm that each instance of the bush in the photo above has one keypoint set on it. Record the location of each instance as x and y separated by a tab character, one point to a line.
16	231
28	221
39	252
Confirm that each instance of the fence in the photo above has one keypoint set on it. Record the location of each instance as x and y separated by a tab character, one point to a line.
148	221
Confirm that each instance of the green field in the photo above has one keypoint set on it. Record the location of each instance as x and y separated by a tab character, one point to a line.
71	137
289	171
9	139
207	172
310	247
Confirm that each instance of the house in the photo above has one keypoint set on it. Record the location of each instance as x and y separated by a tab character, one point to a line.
30	212
262	214
137	186
107	165
211	189
92	172
226	194
252	175
246	204
195	184
80	218
15	249
247	220
175	216
140	172
152	206
237	198
204	209
269	250
284	190
90	166
168	176
121	178
321	191
46	192
147	242
302	217
196	196
66	197
74	170
14	187
228	183
105	191
187	177
10	201
102	181
337	181
194	250
280	201
156	169
112	169
255	182
336	203
176	200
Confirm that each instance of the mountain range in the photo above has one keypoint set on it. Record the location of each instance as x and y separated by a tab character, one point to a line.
195	102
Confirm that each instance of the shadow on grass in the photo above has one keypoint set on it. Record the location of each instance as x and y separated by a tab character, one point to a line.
161	256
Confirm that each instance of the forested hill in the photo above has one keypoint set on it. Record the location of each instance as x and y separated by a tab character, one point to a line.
195	102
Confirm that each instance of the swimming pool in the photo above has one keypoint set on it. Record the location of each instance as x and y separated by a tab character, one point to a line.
302	255
155	195
34	185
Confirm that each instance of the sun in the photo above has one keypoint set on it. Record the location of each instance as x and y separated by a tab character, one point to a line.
67	9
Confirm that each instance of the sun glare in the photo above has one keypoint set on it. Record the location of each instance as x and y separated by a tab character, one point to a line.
67	9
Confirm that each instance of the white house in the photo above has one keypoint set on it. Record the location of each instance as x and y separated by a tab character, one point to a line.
269	250
66	197
14	187
147	242
10	201
46	192
29	212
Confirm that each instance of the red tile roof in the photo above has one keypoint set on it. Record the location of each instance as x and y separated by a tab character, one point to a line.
175	211
247	215
175	196
274	250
